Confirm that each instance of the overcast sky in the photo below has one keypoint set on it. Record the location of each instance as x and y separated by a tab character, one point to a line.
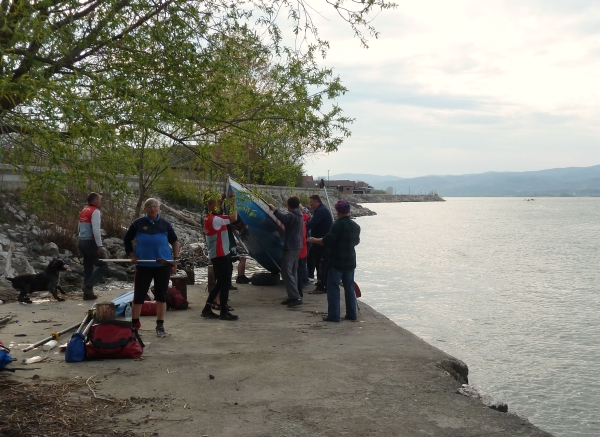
457	87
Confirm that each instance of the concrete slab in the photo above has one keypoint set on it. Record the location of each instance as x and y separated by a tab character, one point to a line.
277	372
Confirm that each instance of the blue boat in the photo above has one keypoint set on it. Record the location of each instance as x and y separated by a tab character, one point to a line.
264	237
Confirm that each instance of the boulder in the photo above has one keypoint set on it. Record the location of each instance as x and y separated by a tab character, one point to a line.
15	236
117	272
457	368
50	249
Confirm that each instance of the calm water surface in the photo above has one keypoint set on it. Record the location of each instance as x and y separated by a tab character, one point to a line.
510	287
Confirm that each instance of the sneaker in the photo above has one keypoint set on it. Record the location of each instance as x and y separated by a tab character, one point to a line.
311	279
285	302
242	280
231	287
228	316
160	332
136	325
295	303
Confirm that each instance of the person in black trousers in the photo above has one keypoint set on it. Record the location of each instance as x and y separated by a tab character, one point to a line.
318	226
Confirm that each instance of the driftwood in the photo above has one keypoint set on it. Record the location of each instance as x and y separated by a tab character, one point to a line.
180	216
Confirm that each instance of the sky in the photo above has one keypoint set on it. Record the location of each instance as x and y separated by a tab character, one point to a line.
463	87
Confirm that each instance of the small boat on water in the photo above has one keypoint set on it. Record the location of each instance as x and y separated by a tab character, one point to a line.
265	234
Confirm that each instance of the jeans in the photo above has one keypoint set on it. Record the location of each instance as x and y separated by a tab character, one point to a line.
333	293
289	272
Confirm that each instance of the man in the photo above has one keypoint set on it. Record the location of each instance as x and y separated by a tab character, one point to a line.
292	245
217	243
341	240
318	226
154	239
90	246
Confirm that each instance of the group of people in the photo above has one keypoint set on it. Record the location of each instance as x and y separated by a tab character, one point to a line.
156	254
332	254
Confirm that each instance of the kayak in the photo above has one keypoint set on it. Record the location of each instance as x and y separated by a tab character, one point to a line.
265	234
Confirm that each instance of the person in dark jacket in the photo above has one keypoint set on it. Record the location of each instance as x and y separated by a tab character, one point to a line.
155	239
341	240
318	226
293	222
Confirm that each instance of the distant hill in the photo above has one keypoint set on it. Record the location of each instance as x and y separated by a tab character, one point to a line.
572	181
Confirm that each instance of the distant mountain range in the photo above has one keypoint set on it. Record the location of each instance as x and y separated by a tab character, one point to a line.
572	181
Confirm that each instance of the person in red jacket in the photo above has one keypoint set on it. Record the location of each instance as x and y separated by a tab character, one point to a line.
302	257
217	241
90	246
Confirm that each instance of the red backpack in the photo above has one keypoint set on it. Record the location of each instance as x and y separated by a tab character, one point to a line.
175	300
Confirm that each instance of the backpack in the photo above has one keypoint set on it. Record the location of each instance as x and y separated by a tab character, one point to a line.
175	300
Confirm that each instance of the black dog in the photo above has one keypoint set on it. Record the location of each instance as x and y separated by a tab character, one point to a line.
45	281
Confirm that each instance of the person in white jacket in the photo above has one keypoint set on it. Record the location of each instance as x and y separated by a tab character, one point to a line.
90	246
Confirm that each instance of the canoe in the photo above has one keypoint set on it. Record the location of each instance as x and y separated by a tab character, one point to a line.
265	234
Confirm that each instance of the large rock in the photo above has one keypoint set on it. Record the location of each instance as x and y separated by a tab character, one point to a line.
50	249
15	236
117	272
457	368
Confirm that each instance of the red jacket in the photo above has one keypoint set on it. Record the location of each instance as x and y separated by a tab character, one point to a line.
304	250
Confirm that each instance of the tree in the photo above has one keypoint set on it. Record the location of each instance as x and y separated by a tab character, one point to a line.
78	81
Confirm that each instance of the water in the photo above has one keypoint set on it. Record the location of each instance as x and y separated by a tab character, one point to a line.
510	287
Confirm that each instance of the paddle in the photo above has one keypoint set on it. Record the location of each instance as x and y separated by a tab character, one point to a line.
127	260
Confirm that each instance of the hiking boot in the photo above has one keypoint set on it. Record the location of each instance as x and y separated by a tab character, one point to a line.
88	293
160	332
242	280
209	315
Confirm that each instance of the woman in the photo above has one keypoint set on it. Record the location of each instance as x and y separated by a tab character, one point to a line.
154	238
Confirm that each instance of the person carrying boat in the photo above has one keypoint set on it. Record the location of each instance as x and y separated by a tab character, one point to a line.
292	245
341	240
318	226
217	241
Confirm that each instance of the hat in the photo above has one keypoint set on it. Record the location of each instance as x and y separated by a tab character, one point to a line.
342	206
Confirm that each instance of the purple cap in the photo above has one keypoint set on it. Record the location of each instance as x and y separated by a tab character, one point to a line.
342	206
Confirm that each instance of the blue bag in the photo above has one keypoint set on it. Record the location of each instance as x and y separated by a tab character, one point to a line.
75	348
5	356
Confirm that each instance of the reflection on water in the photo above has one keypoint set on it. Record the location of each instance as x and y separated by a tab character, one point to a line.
508	286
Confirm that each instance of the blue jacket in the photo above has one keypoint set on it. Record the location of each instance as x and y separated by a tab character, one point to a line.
152	239
320	223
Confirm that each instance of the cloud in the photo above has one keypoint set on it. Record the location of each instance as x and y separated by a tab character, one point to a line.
469	86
